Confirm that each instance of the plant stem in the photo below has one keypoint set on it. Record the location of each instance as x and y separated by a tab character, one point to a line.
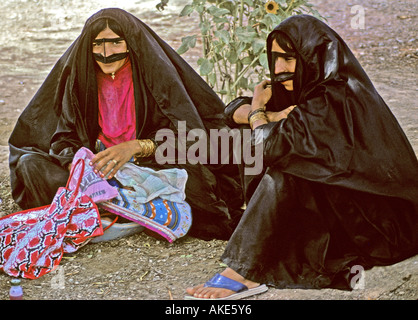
204	40
240	22
237	79
241	13
289	6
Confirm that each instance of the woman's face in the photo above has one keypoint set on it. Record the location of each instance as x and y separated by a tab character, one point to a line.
107	49
284	63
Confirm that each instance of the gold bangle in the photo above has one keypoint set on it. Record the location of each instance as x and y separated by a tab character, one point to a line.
254	112
147	148
256	117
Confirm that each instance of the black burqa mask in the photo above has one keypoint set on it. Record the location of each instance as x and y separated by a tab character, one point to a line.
282	76
104	58
282	98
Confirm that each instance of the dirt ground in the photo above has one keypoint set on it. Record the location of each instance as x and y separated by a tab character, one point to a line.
35	33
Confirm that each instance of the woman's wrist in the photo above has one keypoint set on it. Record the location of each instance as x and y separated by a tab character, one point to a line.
257	117
146	148
257	105
258	123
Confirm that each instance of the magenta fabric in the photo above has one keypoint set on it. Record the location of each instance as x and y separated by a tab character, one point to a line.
117	118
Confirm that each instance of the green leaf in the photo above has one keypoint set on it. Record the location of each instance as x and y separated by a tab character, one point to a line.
229	5
200	9
271	20
206	67
220	20
243	83
187	10
200	61
239	65
223	35
204	27
245	35
263	61
217	49
258	45
232	56
241	47
246	60
182	49
186	43
217	12
276	19
212	79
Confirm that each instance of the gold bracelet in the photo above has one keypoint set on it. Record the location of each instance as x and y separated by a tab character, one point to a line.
147	148
256	117
259	110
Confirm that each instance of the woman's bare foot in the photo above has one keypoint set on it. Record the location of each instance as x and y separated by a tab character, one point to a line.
213	293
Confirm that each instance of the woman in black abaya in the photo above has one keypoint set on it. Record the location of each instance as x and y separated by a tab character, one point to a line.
340	186
160	89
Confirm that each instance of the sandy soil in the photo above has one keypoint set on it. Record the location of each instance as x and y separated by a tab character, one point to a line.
36	33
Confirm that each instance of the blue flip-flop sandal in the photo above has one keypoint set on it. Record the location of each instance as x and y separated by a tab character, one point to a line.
242	291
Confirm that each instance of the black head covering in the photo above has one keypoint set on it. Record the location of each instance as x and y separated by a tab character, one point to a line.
178	91
342	132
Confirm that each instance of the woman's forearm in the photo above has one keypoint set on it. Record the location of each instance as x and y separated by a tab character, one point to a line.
241	114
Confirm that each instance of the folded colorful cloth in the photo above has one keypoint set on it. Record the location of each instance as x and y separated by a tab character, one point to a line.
167	184
172	220
153	199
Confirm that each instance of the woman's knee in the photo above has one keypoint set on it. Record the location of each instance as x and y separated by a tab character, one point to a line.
29	163
25	161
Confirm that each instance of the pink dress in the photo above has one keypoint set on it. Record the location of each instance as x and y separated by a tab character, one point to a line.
117	118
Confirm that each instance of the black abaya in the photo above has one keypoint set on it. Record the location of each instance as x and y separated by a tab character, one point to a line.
340	186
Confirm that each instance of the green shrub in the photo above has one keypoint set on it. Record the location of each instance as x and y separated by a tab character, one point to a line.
233	34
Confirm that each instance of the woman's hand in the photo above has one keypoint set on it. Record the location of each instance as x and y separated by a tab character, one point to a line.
110	160
262	94
277	116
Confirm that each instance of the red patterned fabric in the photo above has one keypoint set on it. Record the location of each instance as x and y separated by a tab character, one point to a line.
32	242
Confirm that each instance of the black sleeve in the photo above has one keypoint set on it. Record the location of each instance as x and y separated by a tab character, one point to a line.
232	107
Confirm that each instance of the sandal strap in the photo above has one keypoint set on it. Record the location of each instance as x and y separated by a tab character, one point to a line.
220	281
112	223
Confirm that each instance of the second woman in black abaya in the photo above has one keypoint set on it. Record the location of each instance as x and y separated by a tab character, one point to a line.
340	186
